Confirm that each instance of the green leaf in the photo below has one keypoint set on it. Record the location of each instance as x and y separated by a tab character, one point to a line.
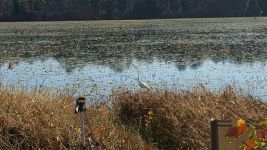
263	122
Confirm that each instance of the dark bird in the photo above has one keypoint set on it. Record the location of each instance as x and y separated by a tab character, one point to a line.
80	105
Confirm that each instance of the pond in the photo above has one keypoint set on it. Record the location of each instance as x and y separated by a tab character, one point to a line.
92	58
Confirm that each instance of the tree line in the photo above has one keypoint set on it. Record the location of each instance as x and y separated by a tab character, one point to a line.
15	10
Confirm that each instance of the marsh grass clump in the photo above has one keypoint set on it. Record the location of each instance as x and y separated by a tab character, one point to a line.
182	120
44	121
141	120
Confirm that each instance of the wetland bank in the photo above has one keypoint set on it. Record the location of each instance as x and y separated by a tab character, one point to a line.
96	56
95	59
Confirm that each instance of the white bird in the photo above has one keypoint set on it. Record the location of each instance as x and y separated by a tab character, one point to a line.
141	84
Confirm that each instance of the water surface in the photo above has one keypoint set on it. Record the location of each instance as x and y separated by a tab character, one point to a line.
93	57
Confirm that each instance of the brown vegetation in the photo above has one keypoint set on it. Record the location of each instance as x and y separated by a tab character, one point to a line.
43	121
181	120
143	120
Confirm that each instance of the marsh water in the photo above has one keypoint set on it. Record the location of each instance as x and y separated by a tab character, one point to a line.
92	58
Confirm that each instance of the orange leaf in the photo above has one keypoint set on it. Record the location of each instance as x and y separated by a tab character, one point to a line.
250	144
237	130
240	129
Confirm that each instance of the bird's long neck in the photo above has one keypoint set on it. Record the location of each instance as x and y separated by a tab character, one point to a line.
138	76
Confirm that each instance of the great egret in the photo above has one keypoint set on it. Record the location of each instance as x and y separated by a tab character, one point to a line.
141	84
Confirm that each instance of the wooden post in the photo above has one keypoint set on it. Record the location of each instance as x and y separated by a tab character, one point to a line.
80	107
82	130
214	134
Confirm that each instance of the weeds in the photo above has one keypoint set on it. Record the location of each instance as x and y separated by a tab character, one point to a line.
143	120
43	121
181	120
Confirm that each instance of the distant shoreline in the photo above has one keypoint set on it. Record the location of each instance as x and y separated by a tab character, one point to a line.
130	19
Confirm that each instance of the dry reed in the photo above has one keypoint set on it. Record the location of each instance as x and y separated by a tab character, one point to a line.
182	120
41	120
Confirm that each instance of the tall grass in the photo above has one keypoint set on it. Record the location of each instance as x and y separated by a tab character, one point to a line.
44	121
41	120
182	120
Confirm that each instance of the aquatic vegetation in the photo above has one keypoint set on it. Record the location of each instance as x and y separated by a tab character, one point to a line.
188	42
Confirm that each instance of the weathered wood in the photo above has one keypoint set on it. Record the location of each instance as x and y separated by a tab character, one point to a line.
82	131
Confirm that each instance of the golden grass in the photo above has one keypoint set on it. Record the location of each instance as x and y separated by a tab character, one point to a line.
182	120
41	120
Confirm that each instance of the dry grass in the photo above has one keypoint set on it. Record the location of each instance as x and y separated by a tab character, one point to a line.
44	121
41	120
181	120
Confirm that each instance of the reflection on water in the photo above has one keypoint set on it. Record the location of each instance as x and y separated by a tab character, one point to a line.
94	56
97	81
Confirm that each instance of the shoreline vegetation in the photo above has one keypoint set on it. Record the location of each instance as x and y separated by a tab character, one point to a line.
37	10
132	120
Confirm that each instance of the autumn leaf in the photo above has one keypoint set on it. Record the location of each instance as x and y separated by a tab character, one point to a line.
250	144
241	127
262	129
237	130
262	133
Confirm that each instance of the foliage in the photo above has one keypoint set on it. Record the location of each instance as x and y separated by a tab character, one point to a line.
237	130
126	9
257	139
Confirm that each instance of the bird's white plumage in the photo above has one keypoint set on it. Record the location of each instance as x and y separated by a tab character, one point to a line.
141	83
76	109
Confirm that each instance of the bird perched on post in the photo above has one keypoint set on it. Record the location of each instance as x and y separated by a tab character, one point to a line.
141	83
80	104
